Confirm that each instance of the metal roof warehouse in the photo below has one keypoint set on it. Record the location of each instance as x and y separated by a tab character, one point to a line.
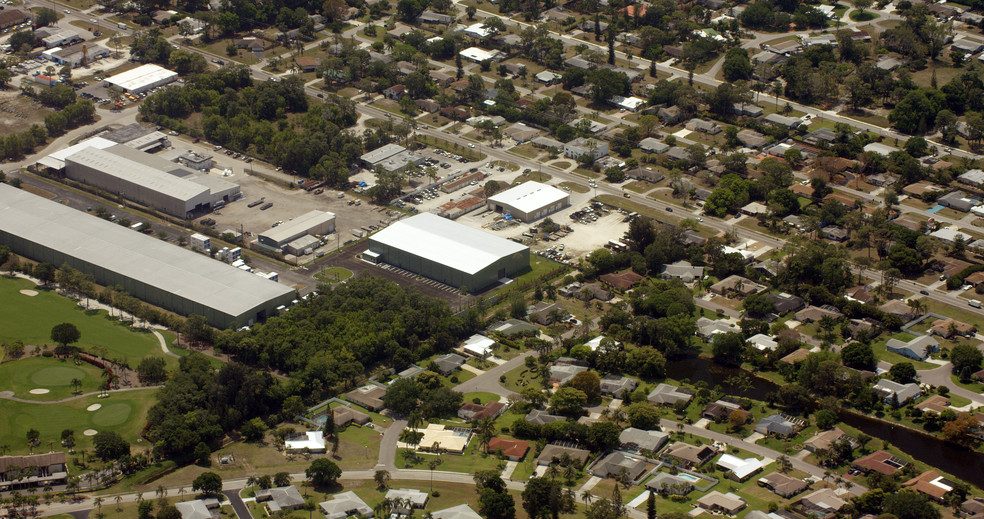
449	252
530	201
152	270
142	78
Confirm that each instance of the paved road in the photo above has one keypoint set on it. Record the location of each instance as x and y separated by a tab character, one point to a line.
242	511
387	446
488	382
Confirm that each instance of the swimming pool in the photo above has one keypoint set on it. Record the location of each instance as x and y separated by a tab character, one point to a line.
688	477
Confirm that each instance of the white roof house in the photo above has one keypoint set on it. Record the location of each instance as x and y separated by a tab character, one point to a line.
879	148
346	504
478	346
631	104
479	55
456	512
314	441
763	342
478	30
595	343
437	436
142	78
740	468
949	234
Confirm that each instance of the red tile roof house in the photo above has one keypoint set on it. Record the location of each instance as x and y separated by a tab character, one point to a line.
472	411
513	450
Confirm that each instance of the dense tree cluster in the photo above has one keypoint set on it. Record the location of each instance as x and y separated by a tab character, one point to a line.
198	405
328	342
241	115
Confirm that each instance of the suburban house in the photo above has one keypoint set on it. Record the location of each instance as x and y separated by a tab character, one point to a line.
949	327
198	508
280	498
715	501
815	313
932	484
473	411
370	397
402	497
563	374
778	425
345	504
826	439
891	391
585	149
689	456
786	303
666	394
556	452
682	270
721	410
737	468
783	485
879	461
823	504
310	441
344	415
540	417
513	450
456	512
616	385
663	483
618	465
448	363
633	439
918	348
737	284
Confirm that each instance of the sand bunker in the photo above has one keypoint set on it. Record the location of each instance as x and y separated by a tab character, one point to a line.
39	391
29	293
90	432
93	407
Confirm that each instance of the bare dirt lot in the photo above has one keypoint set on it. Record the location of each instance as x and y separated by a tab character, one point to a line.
18	113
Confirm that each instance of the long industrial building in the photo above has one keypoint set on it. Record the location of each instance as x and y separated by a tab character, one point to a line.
314	223
142	78
530	201
152	270
148	179
449	252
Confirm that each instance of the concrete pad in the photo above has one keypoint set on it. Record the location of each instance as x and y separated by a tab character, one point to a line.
640	499
510	468
702	423
589	484
93	407
29	293
754	437
39	391
473	369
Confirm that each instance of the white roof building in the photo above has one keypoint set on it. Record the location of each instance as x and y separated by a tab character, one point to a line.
437	436
57	159
763	342
449	252
479	55
478	30
456	512
595	343
529	201
478	346
631	104
879	148
142	78
314	441
949	234
740	468
313	222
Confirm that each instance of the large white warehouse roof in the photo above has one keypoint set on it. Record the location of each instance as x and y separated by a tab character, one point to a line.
529	197
298	226
142	76
451	244
157	263
57	159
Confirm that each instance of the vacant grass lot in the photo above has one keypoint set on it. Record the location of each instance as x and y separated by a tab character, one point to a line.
30	319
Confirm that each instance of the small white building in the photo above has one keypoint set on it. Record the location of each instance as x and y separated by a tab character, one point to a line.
478	346
478	55
529	201
201	242
313	441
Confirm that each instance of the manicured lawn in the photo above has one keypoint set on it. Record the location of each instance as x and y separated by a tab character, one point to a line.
55	375
447	494
471	461
518	379
30	319
124	413
482	396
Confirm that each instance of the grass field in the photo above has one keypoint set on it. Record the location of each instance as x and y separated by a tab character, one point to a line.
124	413
484	398
56	375
30	319
333	274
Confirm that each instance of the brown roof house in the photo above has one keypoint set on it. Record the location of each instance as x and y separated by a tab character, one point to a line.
513	450
34	471
728	503
879	461
622	280
370	397
343	416
823	503
949	327
688	455
826	439
556	452
932	484
738	284
472	411
306	63
783	485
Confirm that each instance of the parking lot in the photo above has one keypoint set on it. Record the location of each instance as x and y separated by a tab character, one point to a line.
286	203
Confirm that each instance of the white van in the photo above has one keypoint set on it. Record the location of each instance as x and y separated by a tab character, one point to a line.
975	303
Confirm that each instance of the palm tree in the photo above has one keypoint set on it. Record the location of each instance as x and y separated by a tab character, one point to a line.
485	429
99	503
76	384
161	491
433	465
